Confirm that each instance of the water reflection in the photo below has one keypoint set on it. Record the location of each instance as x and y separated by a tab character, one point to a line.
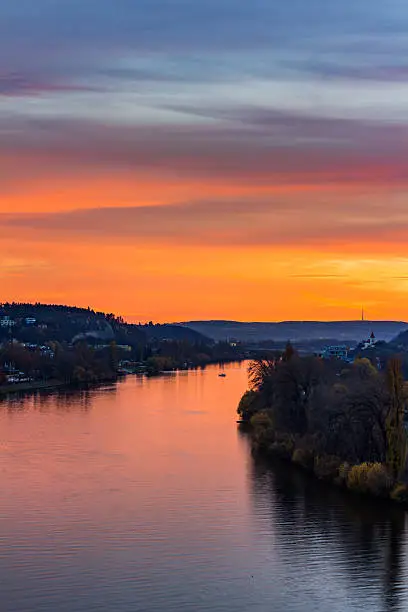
143	496
342	535
51	400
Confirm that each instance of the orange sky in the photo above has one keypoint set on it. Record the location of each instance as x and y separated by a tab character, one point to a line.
226	161
187	274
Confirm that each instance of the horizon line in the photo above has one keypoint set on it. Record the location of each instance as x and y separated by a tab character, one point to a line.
144	320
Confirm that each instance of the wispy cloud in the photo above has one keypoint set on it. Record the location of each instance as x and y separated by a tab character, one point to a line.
17	84
255	222
291	90
248	146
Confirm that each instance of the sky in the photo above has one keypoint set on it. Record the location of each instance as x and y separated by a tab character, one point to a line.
171	160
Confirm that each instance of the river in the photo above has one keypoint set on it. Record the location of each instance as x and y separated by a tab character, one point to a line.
143	496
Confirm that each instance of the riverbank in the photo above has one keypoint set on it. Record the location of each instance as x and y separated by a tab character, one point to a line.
157	367
368	479
49	385
29	387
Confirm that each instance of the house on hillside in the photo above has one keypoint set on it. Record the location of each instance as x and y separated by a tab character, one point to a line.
5	321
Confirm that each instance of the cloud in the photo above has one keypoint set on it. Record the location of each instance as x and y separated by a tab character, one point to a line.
212	88
13	84
366	70
219	91
256	222
246	145
165	40
19	266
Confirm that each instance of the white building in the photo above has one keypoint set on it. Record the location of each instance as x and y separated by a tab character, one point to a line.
5	321
370	343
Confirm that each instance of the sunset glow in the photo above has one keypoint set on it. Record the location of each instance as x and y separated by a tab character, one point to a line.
176	162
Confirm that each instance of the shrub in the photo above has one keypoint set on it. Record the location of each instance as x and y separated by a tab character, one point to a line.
263	433
372	478
400	493
326	467
379	480
303	457
339	389
248	406
152	367
281	449
261	420
283	446
344	471
357	478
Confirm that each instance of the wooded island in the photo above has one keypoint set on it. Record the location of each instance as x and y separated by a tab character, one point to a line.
343	422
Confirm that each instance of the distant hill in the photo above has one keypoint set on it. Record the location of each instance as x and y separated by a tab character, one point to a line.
342	331
56	322
400	341
67	323
174	332
38	323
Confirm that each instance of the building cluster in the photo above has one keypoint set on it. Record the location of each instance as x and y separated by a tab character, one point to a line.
43	349
344	352
335	351
10	374
6	322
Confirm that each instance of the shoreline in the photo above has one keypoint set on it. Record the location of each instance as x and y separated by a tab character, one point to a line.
29	388
342	423
32	387
6	390
328	486
269	456
192	368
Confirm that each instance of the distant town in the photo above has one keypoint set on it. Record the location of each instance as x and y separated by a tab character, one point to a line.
45	345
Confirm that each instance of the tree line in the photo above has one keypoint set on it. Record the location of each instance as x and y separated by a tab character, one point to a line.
343	421
77	364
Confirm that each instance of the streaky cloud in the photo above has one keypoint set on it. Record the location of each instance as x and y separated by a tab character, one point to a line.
228	222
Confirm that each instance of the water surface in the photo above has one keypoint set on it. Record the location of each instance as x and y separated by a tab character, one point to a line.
144	497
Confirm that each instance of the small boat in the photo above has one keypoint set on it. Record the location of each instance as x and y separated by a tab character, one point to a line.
222	375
